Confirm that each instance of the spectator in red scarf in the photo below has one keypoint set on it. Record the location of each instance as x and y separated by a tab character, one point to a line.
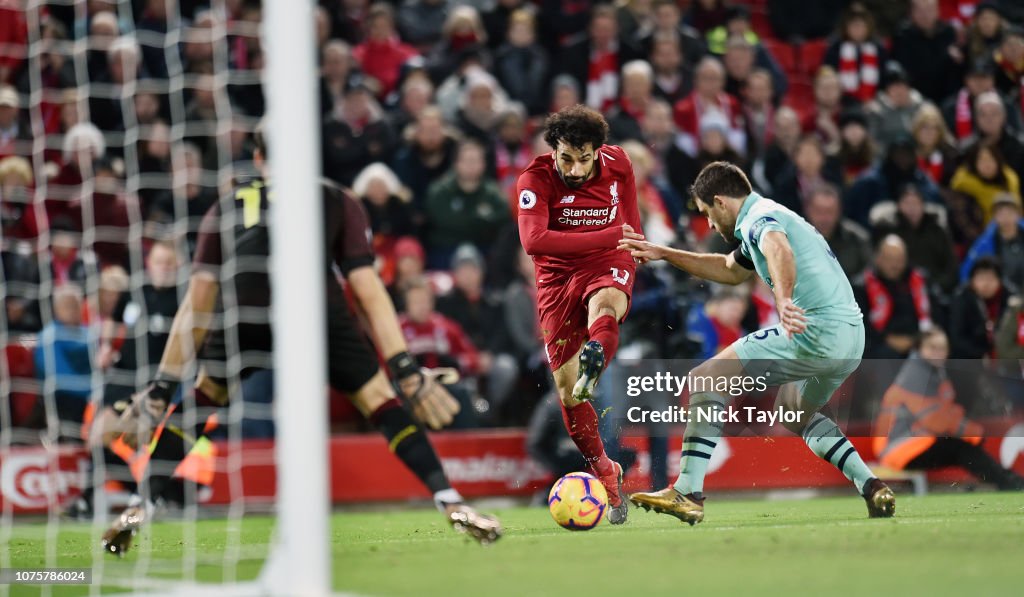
960	109
857	54
895	301
382	54
937	155
595	60
637	86
976	309
708	97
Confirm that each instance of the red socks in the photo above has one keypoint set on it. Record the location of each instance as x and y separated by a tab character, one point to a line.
582	423
605	330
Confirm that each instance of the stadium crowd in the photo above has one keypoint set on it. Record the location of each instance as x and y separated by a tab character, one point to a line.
893	126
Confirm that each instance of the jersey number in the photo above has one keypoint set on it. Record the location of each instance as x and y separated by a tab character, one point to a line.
252	199
764	333
620	275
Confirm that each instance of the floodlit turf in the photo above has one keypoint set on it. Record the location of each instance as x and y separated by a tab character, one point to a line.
940	545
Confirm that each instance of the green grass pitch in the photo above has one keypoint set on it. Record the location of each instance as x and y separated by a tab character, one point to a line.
971	543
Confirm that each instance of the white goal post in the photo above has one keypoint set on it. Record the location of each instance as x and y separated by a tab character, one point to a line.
299	562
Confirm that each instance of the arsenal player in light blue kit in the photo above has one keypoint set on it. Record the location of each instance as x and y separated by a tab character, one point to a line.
574	204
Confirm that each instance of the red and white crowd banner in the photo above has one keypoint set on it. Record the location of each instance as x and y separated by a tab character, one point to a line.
479	463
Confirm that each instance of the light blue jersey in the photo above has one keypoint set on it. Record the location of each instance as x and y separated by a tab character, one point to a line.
822	289
821	357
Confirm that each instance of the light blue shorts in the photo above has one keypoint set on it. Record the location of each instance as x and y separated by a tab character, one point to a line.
818	361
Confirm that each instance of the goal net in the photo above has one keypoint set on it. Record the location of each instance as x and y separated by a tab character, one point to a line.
121	123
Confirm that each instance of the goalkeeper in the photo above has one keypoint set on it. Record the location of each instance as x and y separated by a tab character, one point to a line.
238	281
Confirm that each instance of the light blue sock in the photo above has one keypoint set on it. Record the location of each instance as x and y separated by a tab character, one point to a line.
699	441
825	439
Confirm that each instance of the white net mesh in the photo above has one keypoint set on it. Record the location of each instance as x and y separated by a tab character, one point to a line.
132	119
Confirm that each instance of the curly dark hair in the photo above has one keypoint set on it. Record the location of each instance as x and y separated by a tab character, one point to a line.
720	178
577	126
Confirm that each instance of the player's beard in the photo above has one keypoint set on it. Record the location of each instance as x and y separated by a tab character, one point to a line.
576	182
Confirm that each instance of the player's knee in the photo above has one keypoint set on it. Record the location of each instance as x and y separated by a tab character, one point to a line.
565	396
797	424
790	403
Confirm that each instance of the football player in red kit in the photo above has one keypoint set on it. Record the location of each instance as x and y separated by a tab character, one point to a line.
574	204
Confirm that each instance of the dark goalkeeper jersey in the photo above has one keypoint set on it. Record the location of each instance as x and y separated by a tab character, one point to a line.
234	244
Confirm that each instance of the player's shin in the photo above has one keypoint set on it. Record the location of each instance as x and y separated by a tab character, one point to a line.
825	439
699	441
582	423
409	443
605	330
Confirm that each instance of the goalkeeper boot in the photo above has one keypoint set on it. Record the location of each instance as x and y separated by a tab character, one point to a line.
591	365
613	485
117	540
880	499
484	528
688	508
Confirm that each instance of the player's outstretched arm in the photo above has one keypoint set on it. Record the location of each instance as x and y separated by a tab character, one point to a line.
375	302
191	325
782	269
711	266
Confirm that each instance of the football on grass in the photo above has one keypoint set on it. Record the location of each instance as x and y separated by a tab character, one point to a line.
577	501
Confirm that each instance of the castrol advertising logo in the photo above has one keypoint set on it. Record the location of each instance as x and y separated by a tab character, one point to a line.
28	482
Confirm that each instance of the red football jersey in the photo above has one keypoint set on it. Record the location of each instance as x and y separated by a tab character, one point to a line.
564	228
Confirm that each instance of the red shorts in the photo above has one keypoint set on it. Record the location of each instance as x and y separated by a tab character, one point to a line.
562	303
